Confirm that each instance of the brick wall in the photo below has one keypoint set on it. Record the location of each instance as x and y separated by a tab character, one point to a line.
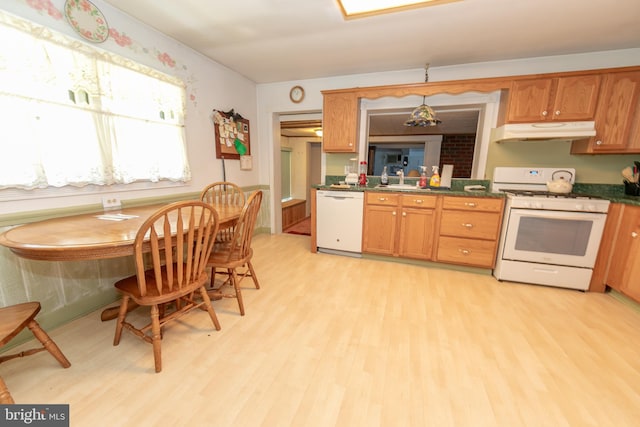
457	150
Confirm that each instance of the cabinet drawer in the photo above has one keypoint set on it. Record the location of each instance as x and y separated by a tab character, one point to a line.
481	204
384	199
479	253
418	201
480	225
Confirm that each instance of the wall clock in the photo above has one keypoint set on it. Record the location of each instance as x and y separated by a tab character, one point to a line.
296	94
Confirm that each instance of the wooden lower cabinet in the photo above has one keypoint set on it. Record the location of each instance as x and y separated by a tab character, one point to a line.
379	229
469	230
457	230
399	225
623	254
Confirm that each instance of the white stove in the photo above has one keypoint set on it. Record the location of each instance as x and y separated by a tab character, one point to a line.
547	238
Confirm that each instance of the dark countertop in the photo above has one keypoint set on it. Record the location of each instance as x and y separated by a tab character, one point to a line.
415	190
613	193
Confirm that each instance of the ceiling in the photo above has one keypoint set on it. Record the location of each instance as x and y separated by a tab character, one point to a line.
282	40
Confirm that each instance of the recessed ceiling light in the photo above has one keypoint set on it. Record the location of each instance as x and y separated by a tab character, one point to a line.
359	8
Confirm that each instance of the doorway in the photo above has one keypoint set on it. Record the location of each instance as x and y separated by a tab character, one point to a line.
300	135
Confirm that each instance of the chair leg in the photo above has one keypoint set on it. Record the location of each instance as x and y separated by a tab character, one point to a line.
5	396
209	308
122	313
156	337
253	275
48	343
236	286
212	277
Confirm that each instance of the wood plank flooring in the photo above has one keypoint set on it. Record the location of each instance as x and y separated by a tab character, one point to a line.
340	341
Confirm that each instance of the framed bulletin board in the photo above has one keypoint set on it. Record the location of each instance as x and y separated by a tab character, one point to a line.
232	135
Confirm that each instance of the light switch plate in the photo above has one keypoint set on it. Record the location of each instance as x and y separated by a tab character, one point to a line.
246	163
111	202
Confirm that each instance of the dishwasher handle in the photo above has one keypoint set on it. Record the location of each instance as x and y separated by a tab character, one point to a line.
341	195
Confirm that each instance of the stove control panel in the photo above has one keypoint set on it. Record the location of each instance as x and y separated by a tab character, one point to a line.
560	204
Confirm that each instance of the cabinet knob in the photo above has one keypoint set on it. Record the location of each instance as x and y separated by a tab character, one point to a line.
634	234
544	113
382	199
418	201
464	251
404	214
393	213
470	204
467	225
598	142
557	112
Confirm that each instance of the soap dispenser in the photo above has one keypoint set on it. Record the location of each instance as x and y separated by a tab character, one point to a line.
423	177
435	177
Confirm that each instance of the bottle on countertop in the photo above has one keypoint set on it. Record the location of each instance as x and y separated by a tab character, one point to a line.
435	177
362	180
384	178
423	177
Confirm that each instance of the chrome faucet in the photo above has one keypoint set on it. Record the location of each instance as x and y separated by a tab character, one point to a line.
400	173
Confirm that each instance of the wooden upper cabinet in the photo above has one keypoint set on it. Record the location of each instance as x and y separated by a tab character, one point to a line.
340	114
562	99
617	117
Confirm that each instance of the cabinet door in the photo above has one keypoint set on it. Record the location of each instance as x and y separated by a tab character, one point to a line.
617	117
576	98
340	123
528	100
562	99
379	231
624	273
416	233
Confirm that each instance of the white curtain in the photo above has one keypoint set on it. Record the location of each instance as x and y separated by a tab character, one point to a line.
74	115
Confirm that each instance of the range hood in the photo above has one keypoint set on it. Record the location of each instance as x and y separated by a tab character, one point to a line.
565	131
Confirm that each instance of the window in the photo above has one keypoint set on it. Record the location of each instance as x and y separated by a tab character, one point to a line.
73	115
285	168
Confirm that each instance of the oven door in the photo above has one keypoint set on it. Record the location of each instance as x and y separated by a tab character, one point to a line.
553	237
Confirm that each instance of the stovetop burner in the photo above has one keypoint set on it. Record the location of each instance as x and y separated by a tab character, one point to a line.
549	194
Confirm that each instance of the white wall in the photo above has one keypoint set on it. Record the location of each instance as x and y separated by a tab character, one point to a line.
209	86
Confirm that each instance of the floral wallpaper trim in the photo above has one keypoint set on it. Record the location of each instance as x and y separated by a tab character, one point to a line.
121	39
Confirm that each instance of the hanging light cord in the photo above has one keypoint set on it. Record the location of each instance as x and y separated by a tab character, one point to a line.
426	80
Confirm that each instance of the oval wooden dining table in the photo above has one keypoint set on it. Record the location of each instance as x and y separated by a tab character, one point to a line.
90	236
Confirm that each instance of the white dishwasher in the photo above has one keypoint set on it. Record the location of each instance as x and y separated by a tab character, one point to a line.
339	221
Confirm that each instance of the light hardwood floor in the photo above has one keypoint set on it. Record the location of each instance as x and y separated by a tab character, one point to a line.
339	341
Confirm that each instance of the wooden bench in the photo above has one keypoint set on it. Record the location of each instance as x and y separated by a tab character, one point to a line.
293	211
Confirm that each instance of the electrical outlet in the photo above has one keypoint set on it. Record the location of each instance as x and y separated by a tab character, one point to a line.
111	202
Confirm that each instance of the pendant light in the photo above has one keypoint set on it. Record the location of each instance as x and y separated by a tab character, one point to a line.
423	115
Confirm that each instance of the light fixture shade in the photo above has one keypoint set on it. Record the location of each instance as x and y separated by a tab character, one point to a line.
423	116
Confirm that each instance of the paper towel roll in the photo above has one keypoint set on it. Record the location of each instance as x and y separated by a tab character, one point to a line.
445	176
